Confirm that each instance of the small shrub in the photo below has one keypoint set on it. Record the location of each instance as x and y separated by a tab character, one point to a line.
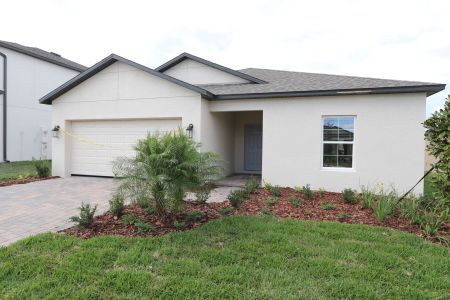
298	189
143	201
180	225
410	209
42	167
384	205
321	192
268	186
195	216
117	205
150	210
432	220
367	197
328	206
129	219
343	216
203	194
143	227
276	191
226	211
86	217
251	185
296	202
307	192
349	196
268	212
236	197
272	201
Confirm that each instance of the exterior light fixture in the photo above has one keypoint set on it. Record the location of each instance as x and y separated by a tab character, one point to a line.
190	131
55	131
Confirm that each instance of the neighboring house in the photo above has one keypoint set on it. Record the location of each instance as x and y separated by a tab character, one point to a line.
293	128
27	74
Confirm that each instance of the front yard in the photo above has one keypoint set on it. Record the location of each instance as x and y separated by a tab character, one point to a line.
234	257
16	169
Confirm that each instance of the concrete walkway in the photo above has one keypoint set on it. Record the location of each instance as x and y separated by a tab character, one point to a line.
42	206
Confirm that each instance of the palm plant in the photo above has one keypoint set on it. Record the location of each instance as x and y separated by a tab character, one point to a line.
165	167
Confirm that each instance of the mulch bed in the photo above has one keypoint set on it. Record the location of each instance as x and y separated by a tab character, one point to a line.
7	182
311	209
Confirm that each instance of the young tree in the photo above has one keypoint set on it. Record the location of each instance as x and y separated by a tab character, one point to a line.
164	169
438	135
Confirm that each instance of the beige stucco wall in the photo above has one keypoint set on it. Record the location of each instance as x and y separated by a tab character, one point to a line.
388	149
196	73
121	92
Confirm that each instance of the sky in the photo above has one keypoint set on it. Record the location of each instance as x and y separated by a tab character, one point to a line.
406	40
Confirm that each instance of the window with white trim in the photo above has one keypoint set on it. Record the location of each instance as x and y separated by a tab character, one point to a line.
337	141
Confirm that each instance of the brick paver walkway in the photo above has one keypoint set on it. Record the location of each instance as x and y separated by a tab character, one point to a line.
32	208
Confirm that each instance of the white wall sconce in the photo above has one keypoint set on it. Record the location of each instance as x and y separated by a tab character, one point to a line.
190	131
55	131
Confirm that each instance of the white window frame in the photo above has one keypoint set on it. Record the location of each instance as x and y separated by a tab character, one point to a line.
339	169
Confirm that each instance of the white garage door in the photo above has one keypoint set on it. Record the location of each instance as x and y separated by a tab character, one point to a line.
95	144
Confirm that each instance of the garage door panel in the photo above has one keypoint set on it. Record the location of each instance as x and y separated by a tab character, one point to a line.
96	144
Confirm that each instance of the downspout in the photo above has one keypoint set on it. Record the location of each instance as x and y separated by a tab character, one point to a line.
4	106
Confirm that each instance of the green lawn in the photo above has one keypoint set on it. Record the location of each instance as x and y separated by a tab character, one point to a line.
235	257
15	169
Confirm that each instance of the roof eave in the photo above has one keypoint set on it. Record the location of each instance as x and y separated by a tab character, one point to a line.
106	62
428	89
29	53
183	56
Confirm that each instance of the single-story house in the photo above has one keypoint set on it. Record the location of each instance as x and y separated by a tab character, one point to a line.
293	128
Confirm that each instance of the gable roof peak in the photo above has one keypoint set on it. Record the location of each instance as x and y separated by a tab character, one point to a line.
183	56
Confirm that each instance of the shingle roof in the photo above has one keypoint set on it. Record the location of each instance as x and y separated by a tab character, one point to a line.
315	84
44	55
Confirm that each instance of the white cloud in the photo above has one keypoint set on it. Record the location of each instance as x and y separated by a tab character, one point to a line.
387	39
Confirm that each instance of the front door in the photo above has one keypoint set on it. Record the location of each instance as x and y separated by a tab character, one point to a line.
253	147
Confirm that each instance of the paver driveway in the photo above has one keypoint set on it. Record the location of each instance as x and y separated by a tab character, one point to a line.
32	208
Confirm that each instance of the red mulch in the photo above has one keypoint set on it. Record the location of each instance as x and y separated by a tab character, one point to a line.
7	182
107	224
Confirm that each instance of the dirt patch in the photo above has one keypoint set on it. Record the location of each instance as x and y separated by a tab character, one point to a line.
7	182
309	209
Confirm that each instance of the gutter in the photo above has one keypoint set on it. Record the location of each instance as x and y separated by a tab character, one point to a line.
4	92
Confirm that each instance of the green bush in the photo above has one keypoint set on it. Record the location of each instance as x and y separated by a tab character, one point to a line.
307	192
164	169
343	216
328	206
180	225
195	216
296	202
226	211
349	196
298	189
42	167
367	197
202	195
272	201
268	186
410	208
117	205
129	219
384	205
321	192
251	185
236	197
86	217
143	227
438	136
276	191
432	220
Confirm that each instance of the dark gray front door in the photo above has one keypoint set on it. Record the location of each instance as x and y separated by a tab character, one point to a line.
253	147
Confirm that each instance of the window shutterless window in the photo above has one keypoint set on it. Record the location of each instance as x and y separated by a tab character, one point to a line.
337	141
